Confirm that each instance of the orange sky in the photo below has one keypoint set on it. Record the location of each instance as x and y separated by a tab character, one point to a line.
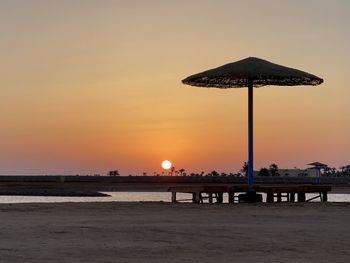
91	86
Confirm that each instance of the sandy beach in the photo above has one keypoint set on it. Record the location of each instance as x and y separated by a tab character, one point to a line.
164	232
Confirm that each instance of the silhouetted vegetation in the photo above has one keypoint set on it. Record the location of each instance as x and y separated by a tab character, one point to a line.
264	172
113	173
244	169
272	170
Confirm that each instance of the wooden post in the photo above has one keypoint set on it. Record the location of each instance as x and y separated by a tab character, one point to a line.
269	197
231	197
301	197
292	197
219	198
324	197
287	196
197	197
210	197
173	197
279	197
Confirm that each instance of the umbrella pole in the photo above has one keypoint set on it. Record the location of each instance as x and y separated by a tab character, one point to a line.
250	133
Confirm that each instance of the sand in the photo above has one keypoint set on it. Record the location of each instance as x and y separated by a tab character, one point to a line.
164	232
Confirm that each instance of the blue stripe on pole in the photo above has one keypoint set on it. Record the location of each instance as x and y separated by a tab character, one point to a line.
250	134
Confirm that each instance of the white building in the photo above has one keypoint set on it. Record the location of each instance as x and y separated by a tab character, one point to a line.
296	172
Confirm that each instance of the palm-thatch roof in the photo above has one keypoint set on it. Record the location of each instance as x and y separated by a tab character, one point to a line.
258	71
317	164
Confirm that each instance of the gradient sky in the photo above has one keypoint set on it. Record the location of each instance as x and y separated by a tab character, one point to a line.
91	86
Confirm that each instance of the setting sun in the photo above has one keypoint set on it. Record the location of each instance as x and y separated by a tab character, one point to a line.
166	164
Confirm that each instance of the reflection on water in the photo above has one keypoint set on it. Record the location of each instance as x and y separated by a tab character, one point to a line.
131	197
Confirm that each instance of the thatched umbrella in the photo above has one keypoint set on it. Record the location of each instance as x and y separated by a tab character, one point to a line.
318	166
251	72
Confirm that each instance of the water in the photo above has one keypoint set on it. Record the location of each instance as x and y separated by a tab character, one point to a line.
132	197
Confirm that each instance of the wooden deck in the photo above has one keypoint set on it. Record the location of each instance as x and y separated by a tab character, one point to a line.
238	193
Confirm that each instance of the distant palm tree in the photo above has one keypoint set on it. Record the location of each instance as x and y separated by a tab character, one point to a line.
327	171
214	173
264	172
274	169
244	169
182	170
345	170
172	169
334	171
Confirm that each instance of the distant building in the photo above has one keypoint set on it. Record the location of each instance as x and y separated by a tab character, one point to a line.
295	172
313	172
